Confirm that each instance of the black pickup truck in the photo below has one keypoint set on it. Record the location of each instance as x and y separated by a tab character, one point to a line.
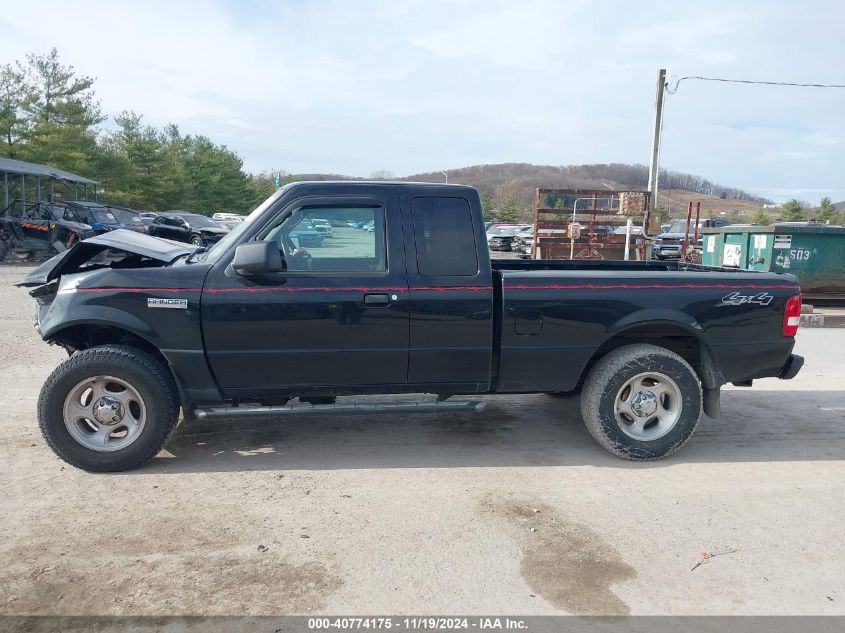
403	299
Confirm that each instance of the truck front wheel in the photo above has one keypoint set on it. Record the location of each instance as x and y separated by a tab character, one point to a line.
108	408
641	402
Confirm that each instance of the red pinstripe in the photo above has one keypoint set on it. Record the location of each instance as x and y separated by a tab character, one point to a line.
289	289
256	290
660	286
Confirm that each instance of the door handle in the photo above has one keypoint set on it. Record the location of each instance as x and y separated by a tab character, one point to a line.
377	300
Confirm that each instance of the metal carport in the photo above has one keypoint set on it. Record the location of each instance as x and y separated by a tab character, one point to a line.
16	172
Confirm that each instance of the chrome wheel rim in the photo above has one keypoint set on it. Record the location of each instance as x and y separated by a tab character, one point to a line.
196	241
648	406
104	413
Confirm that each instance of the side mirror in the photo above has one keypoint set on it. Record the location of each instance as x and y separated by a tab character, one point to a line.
257	258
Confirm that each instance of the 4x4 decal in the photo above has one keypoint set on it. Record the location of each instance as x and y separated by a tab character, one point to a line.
736	299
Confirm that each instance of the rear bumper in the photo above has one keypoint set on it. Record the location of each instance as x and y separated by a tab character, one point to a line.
666	251
499	246
793	365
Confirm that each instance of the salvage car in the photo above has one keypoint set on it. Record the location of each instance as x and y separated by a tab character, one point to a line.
304	234
229	223
523	240
130	218
227	220
323	227
668	244
184	226
239	329
41	228
98	216
500	238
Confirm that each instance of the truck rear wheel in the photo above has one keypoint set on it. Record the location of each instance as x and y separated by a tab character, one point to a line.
641	402
108	408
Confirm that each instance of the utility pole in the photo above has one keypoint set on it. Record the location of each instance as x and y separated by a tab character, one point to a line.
654	165
445	175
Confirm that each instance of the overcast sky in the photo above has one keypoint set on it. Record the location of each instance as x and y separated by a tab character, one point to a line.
417	85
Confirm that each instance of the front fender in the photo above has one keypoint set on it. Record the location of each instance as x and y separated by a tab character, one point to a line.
175	334
59	318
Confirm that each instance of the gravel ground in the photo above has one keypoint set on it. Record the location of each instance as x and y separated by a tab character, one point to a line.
512	511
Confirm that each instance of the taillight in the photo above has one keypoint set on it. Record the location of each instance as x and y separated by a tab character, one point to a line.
792	316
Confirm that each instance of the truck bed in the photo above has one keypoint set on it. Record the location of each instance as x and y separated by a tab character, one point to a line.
557	315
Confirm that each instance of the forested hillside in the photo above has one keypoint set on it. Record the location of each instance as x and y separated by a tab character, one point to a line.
519	180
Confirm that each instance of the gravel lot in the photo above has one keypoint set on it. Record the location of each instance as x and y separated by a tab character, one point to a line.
512	511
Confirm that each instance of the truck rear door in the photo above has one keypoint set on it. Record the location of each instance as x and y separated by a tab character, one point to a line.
451	293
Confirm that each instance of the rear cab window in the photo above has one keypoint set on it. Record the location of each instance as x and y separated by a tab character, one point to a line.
444	237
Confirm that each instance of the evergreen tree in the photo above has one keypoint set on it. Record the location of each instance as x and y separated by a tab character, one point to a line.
263	186
827	212
130	167
760	217
14	94
510	211
61	112
487	208
793	211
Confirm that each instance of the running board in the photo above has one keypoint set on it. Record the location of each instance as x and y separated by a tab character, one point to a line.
466	406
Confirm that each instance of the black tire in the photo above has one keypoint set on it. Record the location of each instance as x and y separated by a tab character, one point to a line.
610	375
4	249
197	240
152	381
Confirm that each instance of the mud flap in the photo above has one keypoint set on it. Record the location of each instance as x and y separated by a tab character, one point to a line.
712	403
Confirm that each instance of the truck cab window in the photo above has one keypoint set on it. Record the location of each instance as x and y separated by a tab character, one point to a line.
332	239
443	232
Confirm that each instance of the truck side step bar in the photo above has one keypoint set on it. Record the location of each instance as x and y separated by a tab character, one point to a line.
465	406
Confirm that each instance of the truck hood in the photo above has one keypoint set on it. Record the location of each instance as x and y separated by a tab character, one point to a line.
121	240
678	236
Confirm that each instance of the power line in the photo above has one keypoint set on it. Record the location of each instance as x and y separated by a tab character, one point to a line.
673	90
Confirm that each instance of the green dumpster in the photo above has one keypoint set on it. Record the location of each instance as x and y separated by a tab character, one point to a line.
815	253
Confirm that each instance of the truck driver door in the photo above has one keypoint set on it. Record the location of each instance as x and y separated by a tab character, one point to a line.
336	317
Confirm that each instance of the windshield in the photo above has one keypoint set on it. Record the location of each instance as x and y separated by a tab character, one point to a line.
63	214
681	227
124	215
217	250
103	217
502	230
201	221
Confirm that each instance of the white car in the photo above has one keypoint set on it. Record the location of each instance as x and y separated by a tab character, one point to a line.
323	227
226	216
